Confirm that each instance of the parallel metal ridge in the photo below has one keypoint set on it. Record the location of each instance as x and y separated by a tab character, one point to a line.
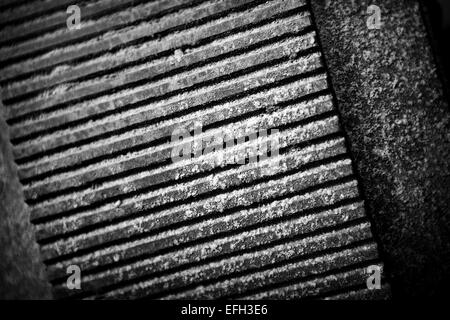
91	113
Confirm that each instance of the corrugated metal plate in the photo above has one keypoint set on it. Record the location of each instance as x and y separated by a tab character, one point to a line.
91	113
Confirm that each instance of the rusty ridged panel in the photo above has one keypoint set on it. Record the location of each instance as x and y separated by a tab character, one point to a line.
91	113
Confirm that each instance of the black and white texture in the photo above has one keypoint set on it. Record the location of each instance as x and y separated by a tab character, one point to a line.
363	136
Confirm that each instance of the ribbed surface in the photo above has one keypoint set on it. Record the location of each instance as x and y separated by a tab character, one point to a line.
91	112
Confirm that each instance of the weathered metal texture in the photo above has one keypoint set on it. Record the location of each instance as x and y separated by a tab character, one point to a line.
91	112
